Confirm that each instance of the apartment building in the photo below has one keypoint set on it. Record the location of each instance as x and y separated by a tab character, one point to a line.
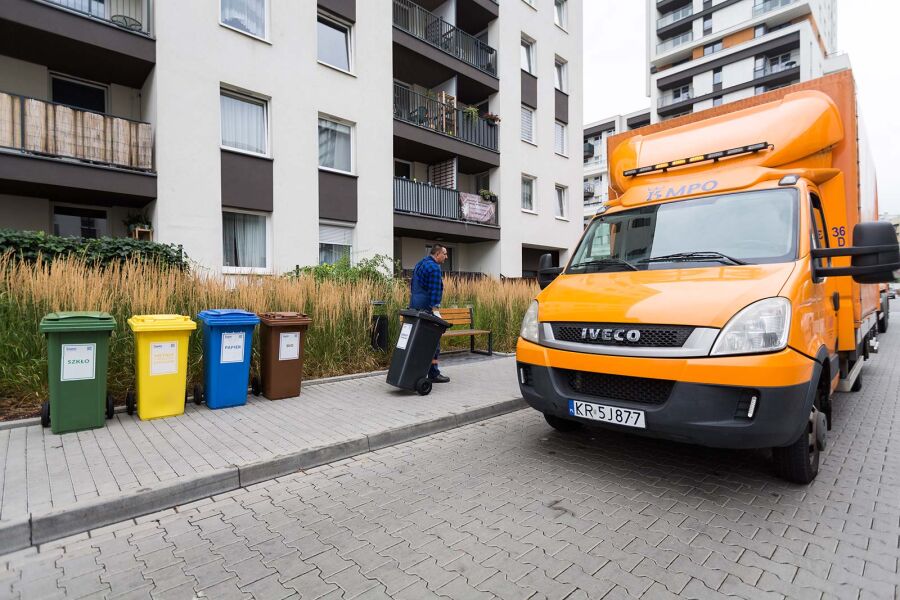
596	165
261	135
704	53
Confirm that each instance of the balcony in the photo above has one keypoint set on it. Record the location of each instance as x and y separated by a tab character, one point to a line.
588	190
776	68
673	17
420	209
100	41
761	8
674	42
54	149
445	119
447	38
673	98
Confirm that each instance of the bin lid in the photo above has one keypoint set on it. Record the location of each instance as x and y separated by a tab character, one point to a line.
284	319
409	313
77	321
228	316
161	323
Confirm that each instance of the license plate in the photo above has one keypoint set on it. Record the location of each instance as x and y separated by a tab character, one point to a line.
607	414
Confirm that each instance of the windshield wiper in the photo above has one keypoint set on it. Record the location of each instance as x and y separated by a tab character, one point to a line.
707	255
600	262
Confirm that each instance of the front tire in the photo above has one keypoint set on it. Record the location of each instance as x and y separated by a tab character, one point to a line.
562	425
799	462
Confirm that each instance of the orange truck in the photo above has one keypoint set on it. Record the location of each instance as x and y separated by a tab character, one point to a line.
728	287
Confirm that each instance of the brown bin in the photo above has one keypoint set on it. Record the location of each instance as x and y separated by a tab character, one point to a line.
281	353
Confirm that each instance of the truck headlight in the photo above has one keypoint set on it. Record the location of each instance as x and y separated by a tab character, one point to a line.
530	325
761	327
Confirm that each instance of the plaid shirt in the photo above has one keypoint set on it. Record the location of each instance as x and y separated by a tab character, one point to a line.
429	277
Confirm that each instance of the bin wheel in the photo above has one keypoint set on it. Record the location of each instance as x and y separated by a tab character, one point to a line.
254	385
110	407
423	386
198	394
129	402
45	414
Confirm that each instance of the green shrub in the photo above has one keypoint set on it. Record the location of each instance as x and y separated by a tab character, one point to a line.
29	245
377	269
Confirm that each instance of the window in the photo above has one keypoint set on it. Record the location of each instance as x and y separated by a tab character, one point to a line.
482	182
759	31
562	201
78	94
244	242
528	56
335	145
528	202
560	138
681	93
527	125
561	75
707	4
712	48
560	10
248	16
335	243
818	230
333	43
244	125
707	24
717	79
717	101
69	221
402	169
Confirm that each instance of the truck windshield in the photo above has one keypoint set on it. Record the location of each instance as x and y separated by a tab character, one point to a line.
731	229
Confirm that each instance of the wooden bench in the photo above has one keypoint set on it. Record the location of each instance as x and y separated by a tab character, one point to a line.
465	318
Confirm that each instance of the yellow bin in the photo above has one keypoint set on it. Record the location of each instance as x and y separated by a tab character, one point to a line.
161	351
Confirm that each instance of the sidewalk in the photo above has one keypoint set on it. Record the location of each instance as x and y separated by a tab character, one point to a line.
53	486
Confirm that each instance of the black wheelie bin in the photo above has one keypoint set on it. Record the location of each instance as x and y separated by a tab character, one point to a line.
420	335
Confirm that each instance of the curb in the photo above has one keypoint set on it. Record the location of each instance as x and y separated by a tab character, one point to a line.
47	527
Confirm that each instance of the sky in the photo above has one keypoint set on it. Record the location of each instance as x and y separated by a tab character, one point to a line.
615	66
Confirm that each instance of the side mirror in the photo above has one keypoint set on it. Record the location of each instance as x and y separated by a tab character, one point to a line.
546	271
875	254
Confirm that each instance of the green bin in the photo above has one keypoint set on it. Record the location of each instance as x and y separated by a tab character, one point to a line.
77	358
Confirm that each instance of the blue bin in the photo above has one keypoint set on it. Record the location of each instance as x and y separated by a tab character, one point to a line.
227	344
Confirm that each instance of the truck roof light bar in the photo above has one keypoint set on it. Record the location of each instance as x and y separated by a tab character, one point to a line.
714	156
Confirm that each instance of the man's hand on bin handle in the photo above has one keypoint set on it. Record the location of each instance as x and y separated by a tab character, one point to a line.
436	313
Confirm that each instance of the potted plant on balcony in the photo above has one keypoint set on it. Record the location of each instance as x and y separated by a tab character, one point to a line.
471	113
138	225
491	118
487	195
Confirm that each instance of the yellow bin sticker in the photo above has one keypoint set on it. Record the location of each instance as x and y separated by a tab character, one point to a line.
164	358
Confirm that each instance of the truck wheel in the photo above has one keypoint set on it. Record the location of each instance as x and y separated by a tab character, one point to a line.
857	385
423	386
799	462
45	414
562	425
110	407
883	320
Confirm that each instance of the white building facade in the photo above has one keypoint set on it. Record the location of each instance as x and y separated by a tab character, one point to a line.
704	53
261	135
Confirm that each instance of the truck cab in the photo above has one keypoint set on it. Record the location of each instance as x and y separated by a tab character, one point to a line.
718	299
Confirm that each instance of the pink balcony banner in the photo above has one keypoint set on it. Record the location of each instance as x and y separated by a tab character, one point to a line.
476	209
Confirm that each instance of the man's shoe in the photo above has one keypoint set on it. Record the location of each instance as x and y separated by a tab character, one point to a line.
439	379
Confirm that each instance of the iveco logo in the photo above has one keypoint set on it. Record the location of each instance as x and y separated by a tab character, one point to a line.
611	335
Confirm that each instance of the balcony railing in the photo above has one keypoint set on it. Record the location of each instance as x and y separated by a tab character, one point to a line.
433	30
432	201
127	14
771	69
670	99
672	43
675	16
588	190
60	131
446	119
761	8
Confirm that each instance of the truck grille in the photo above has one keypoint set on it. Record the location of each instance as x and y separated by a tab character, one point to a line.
619	387
652	336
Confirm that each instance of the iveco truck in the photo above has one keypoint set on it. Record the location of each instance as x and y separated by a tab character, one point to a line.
727	288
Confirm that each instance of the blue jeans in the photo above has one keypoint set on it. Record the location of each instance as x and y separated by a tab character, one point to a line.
434	371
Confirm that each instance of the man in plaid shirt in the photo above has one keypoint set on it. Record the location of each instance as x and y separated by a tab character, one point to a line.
426	293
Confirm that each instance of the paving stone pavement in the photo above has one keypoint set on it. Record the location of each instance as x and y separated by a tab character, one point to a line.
42	472
509	508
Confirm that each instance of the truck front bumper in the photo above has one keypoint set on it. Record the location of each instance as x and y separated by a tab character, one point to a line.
707	414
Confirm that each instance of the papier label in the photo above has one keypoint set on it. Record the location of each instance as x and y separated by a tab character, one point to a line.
404	335
233	347
164	358
289	346
78	362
